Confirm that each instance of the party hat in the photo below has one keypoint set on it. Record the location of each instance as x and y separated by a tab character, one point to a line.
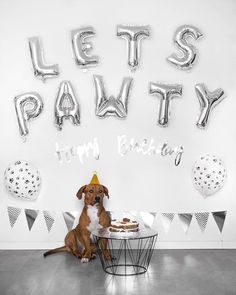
94	179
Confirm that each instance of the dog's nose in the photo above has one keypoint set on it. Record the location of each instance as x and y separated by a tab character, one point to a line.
97	198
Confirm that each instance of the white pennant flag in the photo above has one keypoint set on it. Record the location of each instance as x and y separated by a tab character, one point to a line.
148	218
185	219
167	219
69	218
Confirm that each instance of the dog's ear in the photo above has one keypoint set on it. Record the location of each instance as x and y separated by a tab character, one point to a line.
106	191
80	192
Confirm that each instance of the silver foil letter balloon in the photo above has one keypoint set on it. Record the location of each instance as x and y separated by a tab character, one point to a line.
28	106
166	92
189	52
66	106
133	35
208	100
111	106
41	69
81	47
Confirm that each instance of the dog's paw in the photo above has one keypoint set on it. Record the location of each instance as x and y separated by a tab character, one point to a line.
84	260
93	256
107	256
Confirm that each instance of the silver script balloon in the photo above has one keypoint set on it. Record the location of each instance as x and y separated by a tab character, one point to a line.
66	106
112	106
166	92
24	113
41	69
208	100
81	47
189	52
133	35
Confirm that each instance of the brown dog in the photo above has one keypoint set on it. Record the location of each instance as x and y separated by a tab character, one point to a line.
93	217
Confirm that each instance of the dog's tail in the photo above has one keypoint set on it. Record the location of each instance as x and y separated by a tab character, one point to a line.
57	250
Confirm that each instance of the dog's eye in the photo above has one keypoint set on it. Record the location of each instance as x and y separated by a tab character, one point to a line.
91	191
100	191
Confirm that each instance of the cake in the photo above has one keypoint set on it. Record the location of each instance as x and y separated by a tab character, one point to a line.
125	226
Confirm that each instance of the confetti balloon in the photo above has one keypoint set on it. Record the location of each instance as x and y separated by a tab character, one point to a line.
209	175
22	180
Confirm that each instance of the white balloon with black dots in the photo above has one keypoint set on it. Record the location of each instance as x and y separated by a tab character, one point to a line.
209	175
22	180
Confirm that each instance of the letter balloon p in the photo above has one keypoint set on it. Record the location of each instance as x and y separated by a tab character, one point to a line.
28	106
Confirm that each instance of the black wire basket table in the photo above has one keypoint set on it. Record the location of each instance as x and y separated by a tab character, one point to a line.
131	254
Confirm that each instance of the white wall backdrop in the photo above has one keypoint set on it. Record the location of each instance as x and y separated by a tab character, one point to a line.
135	182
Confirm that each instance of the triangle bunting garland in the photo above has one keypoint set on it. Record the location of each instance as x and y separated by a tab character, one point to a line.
49	219
167	219
13	214
69	218
148	218
185	219
202	219
220	219
31	216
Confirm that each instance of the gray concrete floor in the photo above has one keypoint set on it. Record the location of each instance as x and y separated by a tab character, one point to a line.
172	272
